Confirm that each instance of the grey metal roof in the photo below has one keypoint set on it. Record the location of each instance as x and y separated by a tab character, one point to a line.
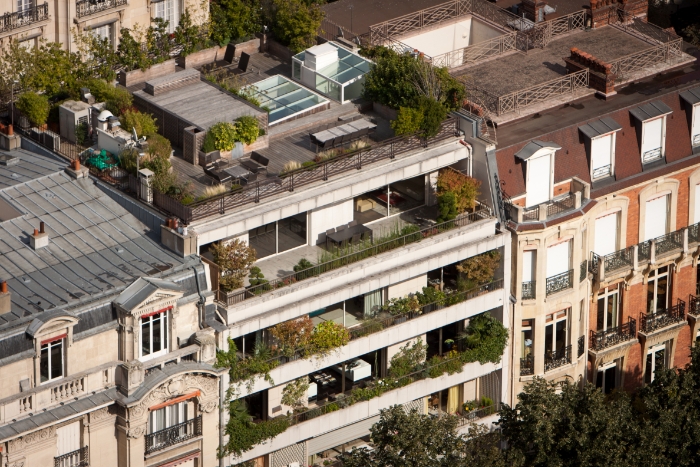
44	318
651	110
691	96
212	319
600	127
534	146
143	288
22	166
96	247
62	412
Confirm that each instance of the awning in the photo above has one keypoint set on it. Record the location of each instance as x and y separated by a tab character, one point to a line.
600	127
691	96
651	110
533	146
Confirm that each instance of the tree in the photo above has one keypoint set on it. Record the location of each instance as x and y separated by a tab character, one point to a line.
465	188
233	19
144	124
235	259
188	35
296	23
479	269
35	107
433	115
408	121
293	335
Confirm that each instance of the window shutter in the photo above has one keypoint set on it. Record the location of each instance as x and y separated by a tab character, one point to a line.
656	217
652	135
68	438
558	258
695	129
528	263
601	155
538	180
606	234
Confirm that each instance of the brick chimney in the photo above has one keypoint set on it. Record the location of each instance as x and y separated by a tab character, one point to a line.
76	171
40	238
5	303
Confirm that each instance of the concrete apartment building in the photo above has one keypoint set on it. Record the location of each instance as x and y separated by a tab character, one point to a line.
105	354
30	21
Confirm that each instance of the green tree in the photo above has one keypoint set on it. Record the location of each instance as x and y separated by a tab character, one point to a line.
232	20
296	23
131	51
35	107
408	121
143	123
433	114
188	35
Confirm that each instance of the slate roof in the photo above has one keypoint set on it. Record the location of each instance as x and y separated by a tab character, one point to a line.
22	166
143	288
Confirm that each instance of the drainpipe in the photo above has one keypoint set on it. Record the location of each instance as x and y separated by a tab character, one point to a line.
513	301
469	150
200	303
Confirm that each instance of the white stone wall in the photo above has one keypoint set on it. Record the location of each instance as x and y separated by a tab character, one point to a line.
328	217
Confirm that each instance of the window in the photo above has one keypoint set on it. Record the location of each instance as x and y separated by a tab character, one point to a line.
540	173
695	126
279	236
68	444
555	338
51	363
602	156
154	334
652	139
167	417
657	290
168	11
607	378
606	234
656	361
656	217
529	260
526	347
608	308
24	5
558	258
103	32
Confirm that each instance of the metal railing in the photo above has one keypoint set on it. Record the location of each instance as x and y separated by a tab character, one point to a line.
581	345
18	19
90	7
557	358
477	52
77	458
694	303
560	282
600	340
529	290
174	435
669	243
465	419
527	366
238	296
613	262
651	155
521	99
583	271
601	172
651	322
554	207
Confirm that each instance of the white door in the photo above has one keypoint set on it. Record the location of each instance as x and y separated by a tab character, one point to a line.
652	135
558	259
606	234
528	265
696	217
656	217
539	172
68	438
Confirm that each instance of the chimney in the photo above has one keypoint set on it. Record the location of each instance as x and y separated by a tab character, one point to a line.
75	170
5	303
40	238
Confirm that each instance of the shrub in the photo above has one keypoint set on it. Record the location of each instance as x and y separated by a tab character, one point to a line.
221	136
308	164
232	20
479	269
485	339
295	393
401	306
433	114
296	23
144	124
188	35
291	166
35	107
328	336
303	264
81	134
408	359
214	190
235	259
117	100
408	121
159	146
247	129
465	188
447	207
256	277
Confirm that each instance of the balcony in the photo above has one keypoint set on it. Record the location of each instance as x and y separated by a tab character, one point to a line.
694	306
560	282
90	7
577	196
652	322
558	358
77	458
601	340
174	435
529	290
18	19
527	366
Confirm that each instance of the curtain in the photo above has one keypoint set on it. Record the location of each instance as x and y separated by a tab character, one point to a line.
372	300
453	399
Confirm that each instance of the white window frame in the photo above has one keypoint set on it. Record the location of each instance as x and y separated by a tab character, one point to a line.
529	172
667	196
23	5
601	371
98	32
597	173
662	149
569	244
532	273
618	215
609	292
174	415
47	347
552	319
654	277
164	334
649	371
168	10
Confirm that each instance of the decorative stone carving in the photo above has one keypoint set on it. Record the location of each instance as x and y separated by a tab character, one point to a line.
100	414
41	435
136	432
132	375
208	407
178	386
17	463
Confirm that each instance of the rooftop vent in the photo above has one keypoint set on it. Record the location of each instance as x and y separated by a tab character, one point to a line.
5	303
40	238
6	159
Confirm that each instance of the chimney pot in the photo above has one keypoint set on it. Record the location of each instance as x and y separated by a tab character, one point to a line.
76	164
5	302
3	287
36	232
41	227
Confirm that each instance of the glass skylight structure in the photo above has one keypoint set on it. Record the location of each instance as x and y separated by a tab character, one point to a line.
284	98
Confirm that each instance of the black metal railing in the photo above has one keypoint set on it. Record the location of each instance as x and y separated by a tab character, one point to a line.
694	233
644	251
583	272
581	344
527	366
174	435
529	290
77	458
601	340
557	358
10	21
565	203
669	243
650	322
477	414
560	282
601	172
694	304
90	7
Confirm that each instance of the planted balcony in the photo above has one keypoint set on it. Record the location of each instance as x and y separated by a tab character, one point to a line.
557	358
694	305
560	282
18	19
601	340
652	322
173	435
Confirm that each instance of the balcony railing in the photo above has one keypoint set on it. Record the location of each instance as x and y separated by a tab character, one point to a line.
557	358
529	290
90	7
477	414
669	243
652	155
581	344
694	304
527	366
552	208
560	282
77	458
583	271
174	435
651	322
10	21
601	340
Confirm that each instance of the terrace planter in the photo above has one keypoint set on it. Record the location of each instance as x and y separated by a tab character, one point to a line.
261	143
250	47
201	57
129	78
385	112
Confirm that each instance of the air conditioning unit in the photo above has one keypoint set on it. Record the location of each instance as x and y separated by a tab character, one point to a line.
71	114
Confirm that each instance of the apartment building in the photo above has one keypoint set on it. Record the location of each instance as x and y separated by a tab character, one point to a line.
30	21
105	351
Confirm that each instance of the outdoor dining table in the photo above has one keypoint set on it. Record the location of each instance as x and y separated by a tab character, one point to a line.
338	238
347	131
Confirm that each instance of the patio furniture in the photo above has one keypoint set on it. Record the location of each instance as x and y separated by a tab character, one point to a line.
356	238
240	174
352	223
256	163
392	199
330	231
363	205
342	134
347	234
355	370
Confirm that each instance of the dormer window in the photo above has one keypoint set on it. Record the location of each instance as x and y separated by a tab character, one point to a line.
539	157
601	146
154	334
651	126
692	102
51	361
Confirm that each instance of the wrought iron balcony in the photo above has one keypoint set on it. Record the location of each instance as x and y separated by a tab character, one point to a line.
527	366
77	458
613	262
651	322
560	282
694	304
581	345
669	243
90	7
10	21
529	290
583	272
557	358
174	435
601	340
579	192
